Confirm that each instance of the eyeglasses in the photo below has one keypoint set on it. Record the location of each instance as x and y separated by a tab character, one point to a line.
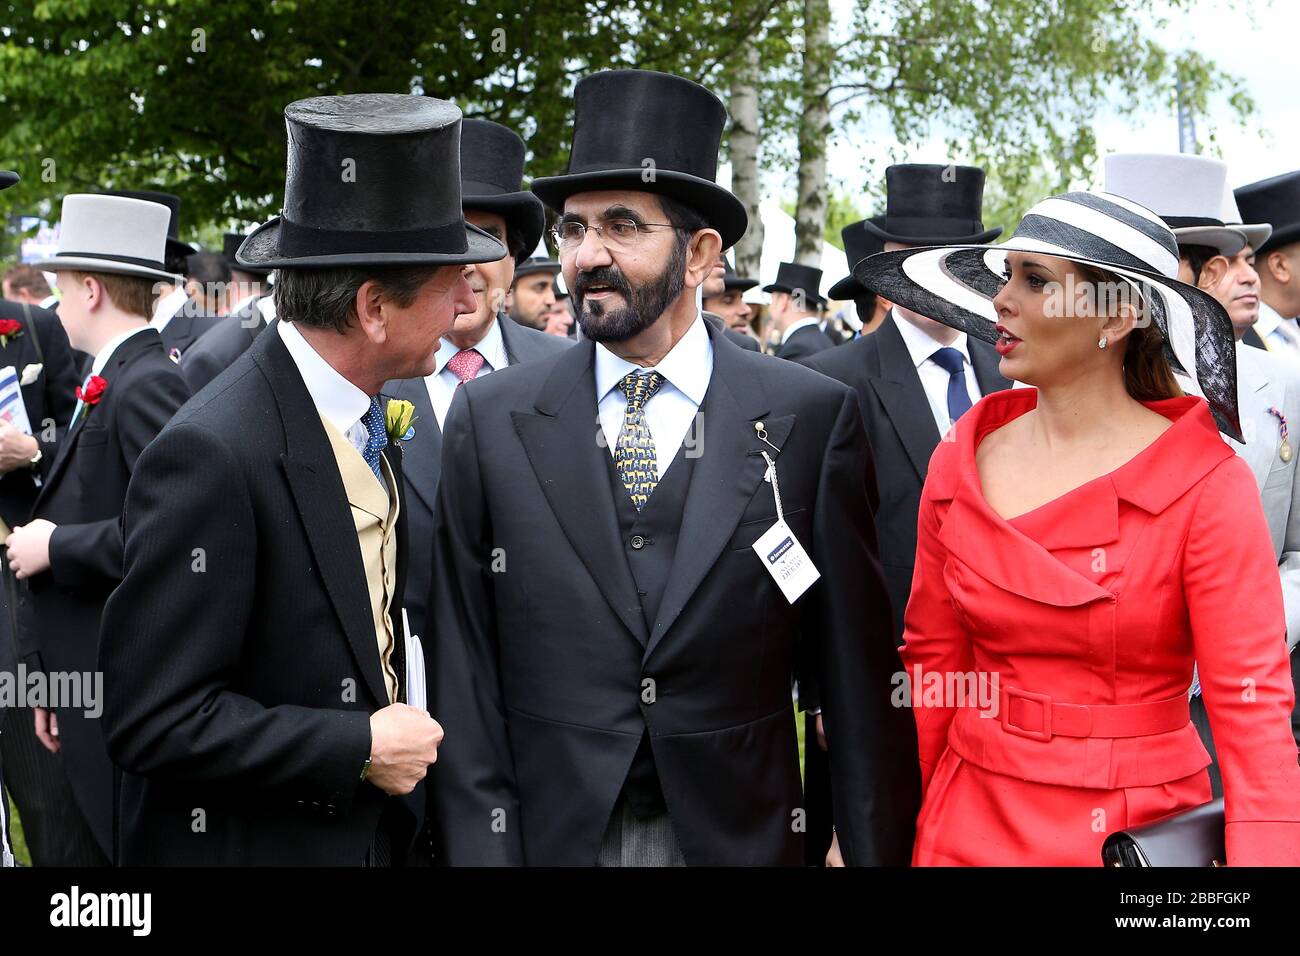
616	234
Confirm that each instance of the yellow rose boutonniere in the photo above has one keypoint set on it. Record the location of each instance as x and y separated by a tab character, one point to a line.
399	416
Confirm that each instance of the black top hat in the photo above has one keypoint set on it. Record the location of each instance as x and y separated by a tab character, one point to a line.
1276	201
651	132
373	179
536	264
175	248
8	178
793	277
859	243
491	172
733	282
931	205
230	243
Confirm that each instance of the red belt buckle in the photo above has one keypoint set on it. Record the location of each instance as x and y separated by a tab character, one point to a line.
1044	702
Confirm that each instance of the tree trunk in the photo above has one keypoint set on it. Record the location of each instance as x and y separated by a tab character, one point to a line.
814	130
744	157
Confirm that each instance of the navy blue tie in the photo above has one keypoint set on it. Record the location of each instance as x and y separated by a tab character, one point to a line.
378	440
952	362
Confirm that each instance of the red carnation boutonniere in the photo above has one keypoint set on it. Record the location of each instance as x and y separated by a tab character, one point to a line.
9	329
94	390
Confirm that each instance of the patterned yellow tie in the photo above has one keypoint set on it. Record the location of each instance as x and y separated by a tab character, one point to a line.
634	455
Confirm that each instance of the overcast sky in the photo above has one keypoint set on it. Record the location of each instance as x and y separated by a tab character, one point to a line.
1255	41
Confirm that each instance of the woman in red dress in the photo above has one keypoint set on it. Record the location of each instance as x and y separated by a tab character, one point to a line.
1082	544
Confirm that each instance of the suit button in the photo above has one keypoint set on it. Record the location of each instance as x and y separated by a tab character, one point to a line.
637	542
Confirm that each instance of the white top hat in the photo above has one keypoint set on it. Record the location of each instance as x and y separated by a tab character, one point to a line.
1256	233
111	234
1183	189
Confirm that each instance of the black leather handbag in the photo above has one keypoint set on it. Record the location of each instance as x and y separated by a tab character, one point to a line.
1192	838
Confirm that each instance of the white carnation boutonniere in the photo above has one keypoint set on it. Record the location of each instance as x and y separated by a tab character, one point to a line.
400	419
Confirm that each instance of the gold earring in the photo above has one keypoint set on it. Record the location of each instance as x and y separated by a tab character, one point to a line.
1102	343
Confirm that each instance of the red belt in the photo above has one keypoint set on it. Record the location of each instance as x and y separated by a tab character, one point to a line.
1038	717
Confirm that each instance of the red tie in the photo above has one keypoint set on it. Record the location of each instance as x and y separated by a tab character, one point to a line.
465	365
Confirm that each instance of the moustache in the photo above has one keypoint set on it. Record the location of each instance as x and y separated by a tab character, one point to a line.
605	276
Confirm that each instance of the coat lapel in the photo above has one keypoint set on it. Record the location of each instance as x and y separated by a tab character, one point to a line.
903	397
561	442
317	488
728	472
424	462
136	345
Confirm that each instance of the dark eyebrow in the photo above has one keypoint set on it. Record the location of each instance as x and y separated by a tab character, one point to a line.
492	230
623	212
1031	264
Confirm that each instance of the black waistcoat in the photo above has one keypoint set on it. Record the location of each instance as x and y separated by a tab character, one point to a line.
650	543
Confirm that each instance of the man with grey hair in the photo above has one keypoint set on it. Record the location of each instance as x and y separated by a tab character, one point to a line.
293	719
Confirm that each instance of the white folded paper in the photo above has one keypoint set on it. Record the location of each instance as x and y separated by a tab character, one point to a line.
416	695
12	408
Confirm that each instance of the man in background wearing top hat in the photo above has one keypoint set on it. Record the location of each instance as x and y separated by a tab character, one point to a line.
1187	192
796	312
286	713
37	350
479	342
617	659
69	554
252	309
1277	260
913	376
859	242
727	301
177	316
533	292
723	288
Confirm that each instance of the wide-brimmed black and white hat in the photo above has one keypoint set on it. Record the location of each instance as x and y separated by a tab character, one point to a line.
117	234
956	284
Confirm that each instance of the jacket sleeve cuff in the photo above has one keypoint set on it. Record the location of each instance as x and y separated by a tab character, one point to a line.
1263	843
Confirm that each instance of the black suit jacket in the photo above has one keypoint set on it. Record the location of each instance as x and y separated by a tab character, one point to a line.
59	610
540	666
805	343
244	689
903	436
423	460
186	326
218	348
49	399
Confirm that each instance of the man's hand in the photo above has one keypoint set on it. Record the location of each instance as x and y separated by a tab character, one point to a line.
16	448
833	857
29	548
403	743
821	734
47	729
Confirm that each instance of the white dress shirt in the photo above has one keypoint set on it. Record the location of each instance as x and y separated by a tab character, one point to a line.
934	377
339	402
1279	334
49	302
669	412
167	307
442	383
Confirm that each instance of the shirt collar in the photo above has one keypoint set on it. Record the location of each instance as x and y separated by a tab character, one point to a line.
921	346
687	366
1268	319
111	346
801	324
338	400
167	307
492	347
